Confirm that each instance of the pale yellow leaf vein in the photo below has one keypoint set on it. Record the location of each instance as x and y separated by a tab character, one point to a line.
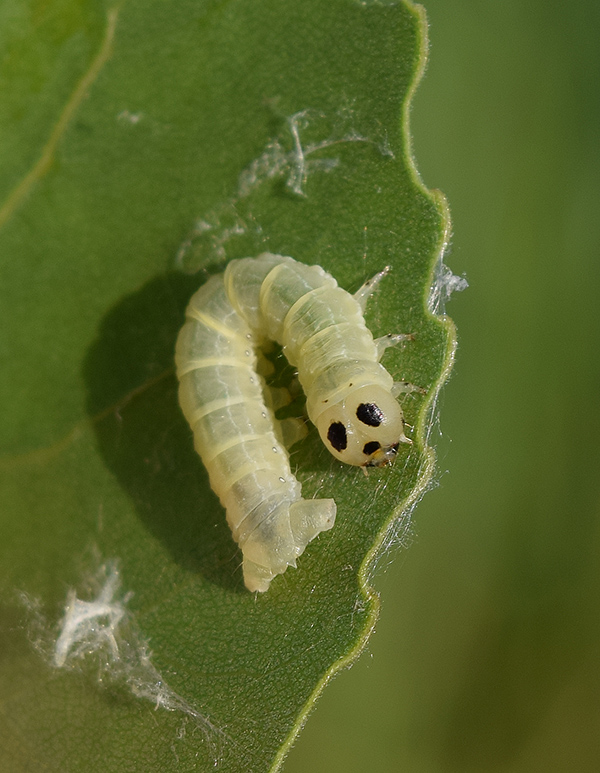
44	162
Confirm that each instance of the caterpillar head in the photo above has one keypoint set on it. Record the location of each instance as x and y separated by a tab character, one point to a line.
364	428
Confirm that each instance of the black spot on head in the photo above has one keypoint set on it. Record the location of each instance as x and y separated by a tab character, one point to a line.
370	414
371	447
336	434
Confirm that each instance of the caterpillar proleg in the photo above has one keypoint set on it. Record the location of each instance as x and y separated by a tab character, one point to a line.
349	398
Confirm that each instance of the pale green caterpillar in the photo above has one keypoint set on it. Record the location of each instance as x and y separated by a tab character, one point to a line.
350	398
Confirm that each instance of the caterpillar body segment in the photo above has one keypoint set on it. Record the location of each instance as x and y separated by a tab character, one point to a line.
231	411
323	333
222	397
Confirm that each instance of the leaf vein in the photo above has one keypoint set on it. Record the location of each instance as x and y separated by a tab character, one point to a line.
44	162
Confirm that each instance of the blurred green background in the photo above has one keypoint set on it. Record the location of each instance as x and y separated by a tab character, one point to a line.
486	656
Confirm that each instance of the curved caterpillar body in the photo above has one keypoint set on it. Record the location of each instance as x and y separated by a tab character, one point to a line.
350	398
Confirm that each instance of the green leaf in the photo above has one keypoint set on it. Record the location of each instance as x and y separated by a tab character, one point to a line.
143	143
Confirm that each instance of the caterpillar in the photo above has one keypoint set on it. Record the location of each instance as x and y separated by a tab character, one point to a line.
350	397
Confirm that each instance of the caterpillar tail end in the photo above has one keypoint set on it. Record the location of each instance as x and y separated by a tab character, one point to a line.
256	577
307	519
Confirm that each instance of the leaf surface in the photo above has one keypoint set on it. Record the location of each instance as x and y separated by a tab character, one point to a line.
146	144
